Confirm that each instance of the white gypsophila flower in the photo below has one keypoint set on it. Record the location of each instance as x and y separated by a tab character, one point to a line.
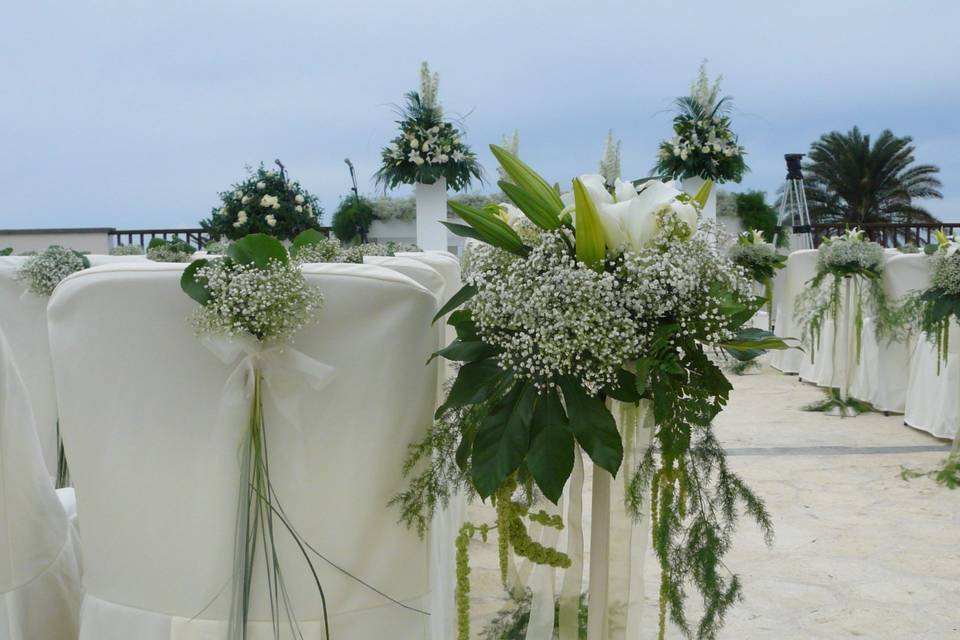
261	186
552	316
850	252
269	201
753	254
170	253
945	272
270	304
326	250
298	199
44	271
270	220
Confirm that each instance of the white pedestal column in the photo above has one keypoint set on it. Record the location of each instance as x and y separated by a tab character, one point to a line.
692	185
431	209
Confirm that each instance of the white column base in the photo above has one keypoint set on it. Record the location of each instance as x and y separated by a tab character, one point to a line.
431	209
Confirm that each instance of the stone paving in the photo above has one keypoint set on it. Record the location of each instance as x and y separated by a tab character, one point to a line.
859	552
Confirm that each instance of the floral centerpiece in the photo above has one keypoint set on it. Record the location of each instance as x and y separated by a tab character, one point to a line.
175	250
255	298
428	147
703	145
760	259
266	202
127	250
577	307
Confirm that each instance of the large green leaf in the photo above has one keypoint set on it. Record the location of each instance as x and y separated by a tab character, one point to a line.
526	178
503	439
466	292
593	426
591	248
703	193
464	231
626	389
258	249
541	213
491	228
191	285
755	338
465	351
550	459
474	383
306	238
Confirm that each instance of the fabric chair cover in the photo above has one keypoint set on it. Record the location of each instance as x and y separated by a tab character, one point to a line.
23	317
446	522
154	455
801	267
879	377
39	566
933	401
416	270
97	260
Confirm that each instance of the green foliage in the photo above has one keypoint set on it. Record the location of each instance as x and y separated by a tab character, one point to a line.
6	252
175	250
848	179
266	202
352	219
755	214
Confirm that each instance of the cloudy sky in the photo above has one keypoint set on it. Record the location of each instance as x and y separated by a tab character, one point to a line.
135	114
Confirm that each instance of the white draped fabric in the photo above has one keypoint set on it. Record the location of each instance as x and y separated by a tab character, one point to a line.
932	398
23	317
801	267
879	377
39	563
154	455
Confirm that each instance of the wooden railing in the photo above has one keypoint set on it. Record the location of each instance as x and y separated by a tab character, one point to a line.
889	235
196	237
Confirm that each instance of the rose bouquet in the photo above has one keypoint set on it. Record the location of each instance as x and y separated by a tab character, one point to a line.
428	148
266	202
579	306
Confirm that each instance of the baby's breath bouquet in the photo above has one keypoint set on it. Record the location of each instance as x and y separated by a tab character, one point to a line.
313	246
267	202
703	144
848	256
127	250
578	305
175	250
428	147
42	272
760	259
255	294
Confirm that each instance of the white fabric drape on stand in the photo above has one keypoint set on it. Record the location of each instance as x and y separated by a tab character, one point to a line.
933	399
39	564
801	267
157	470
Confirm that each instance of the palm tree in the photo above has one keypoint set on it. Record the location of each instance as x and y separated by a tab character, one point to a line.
849	180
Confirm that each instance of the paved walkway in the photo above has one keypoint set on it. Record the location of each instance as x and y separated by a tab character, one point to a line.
859	553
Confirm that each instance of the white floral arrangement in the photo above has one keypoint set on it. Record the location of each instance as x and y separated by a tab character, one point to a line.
127	250
759	257
42	272
577	305
850	254
267	202
428	147
703	144
176	250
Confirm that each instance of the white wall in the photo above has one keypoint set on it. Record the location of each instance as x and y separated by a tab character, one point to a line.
23	240
406	231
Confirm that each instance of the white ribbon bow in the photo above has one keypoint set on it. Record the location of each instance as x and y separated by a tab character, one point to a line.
284	370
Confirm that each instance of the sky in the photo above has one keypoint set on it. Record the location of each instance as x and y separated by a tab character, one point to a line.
136	114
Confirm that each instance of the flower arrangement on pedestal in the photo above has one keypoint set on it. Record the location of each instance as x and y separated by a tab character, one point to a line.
428	147
267	202
760	259
175	250
579	307
703	144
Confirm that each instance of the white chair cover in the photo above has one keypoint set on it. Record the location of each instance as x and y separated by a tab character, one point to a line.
933	401
97	260
39	566
154	455
23	317
446	523
801	267
879	377
416	270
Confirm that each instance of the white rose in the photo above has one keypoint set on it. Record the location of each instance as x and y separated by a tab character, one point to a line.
270	201
238	194
271	221
298	208
299	199
414	143
246	199
261	186
309	209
